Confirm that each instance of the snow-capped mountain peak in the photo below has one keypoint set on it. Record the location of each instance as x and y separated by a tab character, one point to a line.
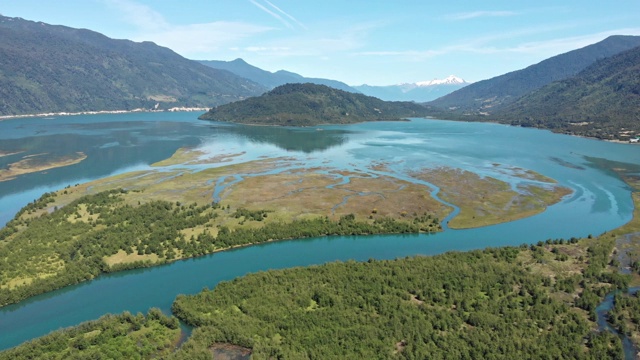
449	80
419	91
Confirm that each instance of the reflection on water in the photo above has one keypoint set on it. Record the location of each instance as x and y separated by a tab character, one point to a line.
306	140
115	143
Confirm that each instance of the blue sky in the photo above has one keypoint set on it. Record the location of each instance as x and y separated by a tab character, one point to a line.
355	41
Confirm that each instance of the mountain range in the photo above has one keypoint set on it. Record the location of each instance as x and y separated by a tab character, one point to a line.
310	105
421	91
50	68
602	101
44	68
488	95
592	91
269	79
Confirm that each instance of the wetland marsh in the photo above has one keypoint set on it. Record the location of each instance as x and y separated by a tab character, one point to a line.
399	170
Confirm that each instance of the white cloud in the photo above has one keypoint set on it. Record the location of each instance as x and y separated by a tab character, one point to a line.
276	14
286	14
561	45
139	15
488	44
314	44
479	14
191	40
266	49
199	39
407	53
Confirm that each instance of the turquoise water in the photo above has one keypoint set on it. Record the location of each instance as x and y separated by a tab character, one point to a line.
120	143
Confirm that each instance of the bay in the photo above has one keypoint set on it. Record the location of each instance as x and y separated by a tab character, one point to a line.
118	143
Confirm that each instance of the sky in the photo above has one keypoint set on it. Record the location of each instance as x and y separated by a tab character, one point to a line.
354	41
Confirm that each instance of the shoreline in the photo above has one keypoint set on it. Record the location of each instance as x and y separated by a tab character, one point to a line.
206	109
616	141
99	112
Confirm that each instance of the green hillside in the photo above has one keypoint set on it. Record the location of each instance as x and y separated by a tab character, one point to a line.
489	95
602	101
47	68
311	104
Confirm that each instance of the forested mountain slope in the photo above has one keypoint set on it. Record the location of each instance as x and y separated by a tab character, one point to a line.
49	68
602	101
490	95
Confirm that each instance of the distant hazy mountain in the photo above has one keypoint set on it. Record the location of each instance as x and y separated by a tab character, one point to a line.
311	104
271	80
600	101
47	68
422	91
489	95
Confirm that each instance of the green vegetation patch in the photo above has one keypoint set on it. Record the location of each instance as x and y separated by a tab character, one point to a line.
108	232
480	304
124	336
311	105
625	315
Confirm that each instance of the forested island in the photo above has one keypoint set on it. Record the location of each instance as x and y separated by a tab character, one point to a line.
310	105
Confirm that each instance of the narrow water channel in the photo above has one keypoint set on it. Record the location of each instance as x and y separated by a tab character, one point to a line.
631	352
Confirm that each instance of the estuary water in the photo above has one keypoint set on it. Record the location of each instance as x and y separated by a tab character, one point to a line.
120	143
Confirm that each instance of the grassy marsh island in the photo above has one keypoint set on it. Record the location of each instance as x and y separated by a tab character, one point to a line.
487	201
34	163
172	213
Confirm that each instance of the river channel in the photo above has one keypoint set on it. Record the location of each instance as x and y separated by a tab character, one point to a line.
120	143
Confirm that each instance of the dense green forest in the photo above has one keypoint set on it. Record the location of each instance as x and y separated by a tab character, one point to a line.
534	301
74	243
509	303
124	336
47	68
311	104
625	315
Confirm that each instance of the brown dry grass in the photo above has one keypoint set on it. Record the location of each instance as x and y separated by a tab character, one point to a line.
488	201
121	257
298	194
